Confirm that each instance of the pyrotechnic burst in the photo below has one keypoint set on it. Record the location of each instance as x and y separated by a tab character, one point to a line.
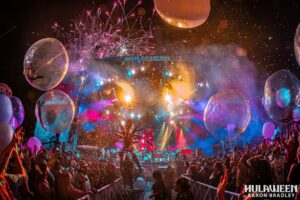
100	33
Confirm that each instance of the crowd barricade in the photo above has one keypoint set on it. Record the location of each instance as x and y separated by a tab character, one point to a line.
203	191
113	191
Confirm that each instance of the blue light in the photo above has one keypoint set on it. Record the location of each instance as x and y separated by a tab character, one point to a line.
283	97
166	73
129	73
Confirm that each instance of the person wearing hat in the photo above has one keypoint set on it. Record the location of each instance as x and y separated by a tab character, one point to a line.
277	166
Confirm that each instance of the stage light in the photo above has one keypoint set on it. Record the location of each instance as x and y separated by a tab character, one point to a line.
132	115
122	122
107	112
172	122
142	68
168	98
127	98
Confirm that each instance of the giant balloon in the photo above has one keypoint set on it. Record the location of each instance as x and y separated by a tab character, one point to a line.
268	130
6	135
6	110
5	90
280	92
227	114
18	112
33	143
296	114
45	64
183	13
297	44
55	111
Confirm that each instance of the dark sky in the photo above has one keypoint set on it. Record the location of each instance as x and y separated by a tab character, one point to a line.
265	28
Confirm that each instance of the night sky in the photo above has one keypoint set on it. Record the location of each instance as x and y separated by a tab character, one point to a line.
265	28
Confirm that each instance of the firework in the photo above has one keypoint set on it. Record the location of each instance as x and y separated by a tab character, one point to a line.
99	33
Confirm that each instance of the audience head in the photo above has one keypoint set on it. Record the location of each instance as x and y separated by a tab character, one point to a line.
181	185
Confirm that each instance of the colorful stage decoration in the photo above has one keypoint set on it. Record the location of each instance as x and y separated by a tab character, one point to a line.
6	135
297	44
45	64
183	14
18	112
34	144
280	96
146	141
6	109
113	81
268	130
227	114
55	111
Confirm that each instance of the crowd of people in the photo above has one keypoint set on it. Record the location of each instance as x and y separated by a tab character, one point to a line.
274	162
271	162
52	174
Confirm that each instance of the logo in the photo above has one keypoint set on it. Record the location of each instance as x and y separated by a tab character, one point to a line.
271	191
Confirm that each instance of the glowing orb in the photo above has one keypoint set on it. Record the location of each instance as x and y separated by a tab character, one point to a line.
34	143
280	94
183	13
227	114
55	111
297	44
45	64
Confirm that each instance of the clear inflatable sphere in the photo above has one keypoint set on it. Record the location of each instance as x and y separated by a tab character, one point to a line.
18	112
280	93
55	111
183	14
227	114
296	114
297	44
45	64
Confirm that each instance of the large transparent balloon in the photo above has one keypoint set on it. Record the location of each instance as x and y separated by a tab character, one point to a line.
5	90
6	110
227	114
183	13
18	112
297	44
6	135
45	64
55	111
280	93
